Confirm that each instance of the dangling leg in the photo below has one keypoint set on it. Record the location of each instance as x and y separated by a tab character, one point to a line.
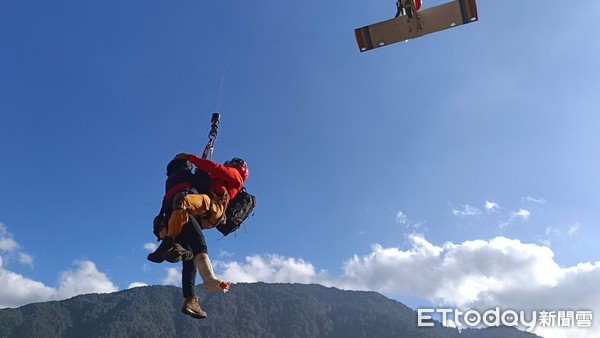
191	304
209	280
195	240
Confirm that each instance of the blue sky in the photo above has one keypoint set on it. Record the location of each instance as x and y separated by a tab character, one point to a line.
358	160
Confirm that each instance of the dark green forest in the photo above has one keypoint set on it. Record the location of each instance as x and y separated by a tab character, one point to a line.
248	310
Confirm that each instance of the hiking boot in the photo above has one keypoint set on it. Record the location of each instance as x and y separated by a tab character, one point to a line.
191	307
158	255
155	257
178	254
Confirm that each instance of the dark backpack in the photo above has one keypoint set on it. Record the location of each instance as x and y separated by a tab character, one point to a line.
239	208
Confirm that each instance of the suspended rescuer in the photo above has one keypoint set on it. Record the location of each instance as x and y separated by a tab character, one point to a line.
225	182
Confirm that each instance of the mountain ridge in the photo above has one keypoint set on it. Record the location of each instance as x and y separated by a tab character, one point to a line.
247	310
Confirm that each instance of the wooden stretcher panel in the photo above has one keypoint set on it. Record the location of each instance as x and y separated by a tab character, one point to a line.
434	19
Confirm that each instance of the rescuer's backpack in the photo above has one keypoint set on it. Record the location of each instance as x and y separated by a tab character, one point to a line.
239	208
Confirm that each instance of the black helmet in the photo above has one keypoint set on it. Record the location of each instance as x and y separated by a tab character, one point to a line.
177	165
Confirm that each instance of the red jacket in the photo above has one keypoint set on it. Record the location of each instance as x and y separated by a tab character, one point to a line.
222	179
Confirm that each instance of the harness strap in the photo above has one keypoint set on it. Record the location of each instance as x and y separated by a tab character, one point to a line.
176	189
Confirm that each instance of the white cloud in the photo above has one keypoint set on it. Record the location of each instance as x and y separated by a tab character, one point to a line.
223	253
452	273
17	290
503	217
529	199
555	232
136	284
552	231
401	218
545	242
8	244
272	268
466	210
491	206
503	224
10	248
151	247
25	258
85	279
173	277
573	229
559	233
522	214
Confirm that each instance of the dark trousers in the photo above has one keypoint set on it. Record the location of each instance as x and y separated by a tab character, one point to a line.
188	278
193	240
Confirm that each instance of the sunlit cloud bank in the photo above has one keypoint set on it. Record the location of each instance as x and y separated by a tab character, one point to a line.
475	274
17	290
274	269
479	274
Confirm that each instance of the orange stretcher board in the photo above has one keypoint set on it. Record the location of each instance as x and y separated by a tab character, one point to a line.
430	20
